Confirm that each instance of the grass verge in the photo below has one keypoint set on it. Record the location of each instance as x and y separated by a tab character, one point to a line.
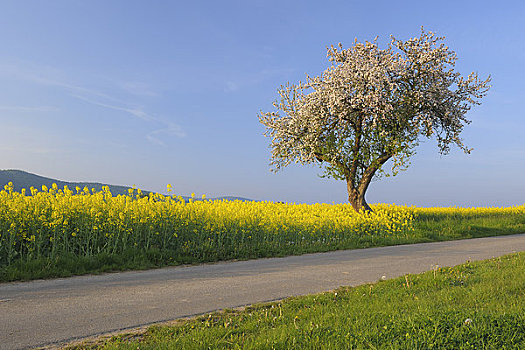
477	305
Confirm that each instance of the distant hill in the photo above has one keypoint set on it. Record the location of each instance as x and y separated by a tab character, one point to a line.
22	179
230	198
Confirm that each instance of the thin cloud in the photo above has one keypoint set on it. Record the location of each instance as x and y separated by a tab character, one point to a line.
137	88
137	112
172	129
231	86
34	150
29	109
47	76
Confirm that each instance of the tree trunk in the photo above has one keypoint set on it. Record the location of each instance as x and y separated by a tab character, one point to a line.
357	198
356	191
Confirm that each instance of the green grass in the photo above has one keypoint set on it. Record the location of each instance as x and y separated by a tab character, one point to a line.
67	265
451	227
427	228
478	305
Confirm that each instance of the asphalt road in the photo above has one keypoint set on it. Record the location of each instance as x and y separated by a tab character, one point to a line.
52	312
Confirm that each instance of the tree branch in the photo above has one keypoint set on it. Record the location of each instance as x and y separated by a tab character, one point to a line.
371	170
355	150
323	158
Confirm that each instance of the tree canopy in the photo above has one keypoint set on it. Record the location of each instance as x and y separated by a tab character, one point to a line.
373	105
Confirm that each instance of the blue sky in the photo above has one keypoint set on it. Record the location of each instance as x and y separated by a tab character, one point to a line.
151	92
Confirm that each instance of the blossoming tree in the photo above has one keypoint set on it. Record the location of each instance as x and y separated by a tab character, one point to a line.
370	106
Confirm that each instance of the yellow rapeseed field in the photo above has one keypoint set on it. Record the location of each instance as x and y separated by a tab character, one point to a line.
52	222
469	212
83	222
